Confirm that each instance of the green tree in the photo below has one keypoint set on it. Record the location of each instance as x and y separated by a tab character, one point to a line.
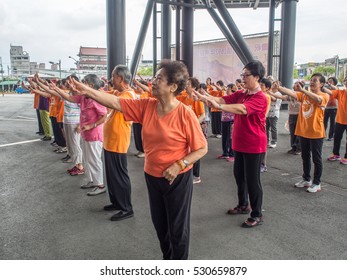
146	71
325	70
296	74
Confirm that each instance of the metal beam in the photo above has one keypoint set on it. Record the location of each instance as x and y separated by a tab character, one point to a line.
178	33
233	29
225	32
141	39
154	21
116	49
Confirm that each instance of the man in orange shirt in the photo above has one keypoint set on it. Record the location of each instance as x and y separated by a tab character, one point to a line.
341	121
216	114
186	97
117	134
310	127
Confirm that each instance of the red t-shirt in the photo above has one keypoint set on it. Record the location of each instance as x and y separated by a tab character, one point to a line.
166	139
249	133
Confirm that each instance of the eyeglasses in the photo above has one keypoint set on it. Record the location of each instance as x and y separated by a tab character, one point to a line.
245	75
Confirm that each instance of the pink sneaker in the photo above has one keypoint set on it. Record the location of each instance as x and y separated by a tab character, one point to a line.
222	157
231	159
333	157
344	161
77	172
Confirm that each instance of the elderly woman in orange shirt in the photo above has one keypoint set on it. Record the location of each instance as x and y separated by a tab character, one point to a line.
173	142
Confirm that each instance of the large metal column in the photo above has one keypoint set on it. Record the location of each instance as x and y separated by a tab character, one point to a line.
226	32
165	31
178	32
116	51
271	36
233	29
141	39
187	38
155	38
287	42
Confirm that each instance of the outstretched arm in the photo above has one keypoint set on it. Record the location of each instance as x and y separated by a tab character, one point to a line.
108	100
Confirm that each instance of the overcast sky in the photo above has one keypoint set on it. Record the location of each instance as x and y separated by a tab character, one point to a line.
49	32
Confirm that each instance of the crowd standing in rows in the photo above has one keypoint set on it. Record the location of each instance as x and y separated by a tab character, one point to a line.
170	115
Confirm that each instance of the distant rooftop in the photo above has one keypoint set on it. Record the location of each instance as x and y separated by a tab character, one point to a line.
92	51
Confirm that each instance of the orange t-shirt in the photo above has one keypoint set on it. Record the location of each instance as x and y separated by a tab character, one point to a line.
197	106
60	110
117	130
53	104
268	96
310	122
216	93
36	100
341	96
165	139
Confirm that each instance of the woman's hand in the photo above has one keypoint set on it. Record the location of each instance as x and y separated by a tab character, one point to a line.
77	87
78	129
87	127
171	173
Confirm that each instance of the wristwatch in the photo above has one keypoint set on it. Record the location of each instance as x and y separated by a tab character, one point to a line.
183	164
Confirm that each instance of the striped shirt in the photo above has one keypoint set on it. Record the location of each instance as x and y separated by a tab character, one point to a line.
71	112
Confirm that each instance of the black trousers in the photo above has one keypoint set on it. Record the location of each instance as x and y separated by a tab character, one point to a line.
247	176
330	114
196	169
339	130
118	181
58	132
216	122
170	212
314	147
137	129
226	139
39	121
294	140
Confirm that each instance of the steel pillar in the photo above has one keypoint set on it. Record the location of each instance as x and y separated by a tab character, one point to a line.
187	38
165	31
178	32
233	29
116	50
155	38
271	36
287	42
141	39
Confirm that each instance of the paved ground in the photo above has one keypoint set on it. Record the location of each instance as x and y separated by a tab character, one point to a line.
45	215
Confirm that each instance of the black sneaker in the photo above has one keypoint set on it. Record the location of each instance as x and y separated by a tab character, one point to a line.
110	207
46	138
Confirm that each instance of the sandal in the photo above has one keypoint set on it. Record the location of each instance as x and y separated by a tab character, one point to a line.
252	222
239	210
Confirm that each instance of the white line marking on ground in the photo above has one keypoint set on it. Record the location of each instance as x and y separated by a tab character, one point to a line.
28	118
19	143
17	120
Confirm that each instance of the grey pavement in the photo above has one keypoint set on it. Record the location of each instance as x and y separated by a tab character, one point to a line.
45	215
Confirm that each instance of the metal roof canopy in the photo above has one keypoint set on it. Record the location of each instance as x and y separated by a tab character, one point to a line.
184	10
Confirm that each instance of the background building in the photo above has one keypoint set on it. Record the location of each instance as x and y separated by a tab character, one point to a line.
92	58
20	61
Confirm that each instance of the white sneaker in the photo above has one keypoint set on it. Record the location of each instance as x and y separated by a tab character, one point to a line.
272	146
97	190
140	155
314	188
196	180
89	185
303	184
218	136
